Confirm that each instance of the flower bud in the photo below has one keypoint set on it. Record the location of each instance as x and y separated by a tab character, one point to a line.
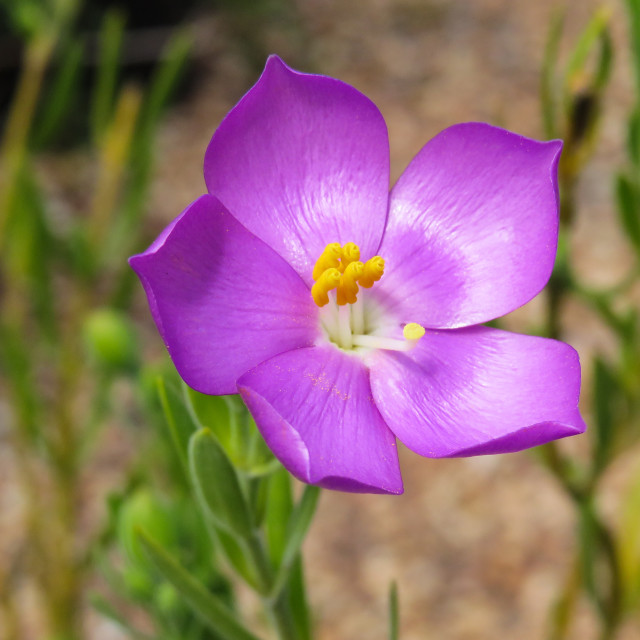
110	340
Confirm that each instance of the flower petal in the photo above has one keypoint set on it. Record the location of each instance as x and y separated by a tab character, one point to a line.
478	391
303	160
473	227
222	299
315	411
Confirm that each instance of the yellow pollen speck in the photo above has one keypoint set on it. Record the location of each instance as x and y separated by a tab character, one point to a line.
328	280
413	331
329	259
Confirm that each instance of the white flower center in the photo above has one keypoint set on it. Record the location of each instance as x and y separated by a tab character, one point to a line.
363	326
349	316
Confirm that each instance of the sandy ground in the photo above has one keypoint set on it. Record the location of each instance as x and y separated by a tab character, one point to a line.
478	547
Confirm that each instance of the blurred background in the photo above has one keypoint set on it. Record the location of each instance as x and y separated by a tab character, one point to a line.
480	548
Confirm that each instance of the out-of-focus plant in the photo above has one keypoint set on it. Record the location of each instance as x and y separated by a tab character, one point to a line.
63	340
227	512
607	563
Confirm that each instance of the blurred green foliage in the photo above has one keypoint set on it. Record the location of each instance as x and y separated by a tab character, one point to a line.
64	340
205	506
606	564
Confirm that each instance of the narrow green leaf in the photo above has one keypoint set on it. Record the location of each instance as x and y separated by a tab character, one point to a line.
181	427
633	7
298	526
125	238
589	554
236	554
33	239
394	621
217	484
111	34
174	58
215	615
59	97
628	547
628	201
298	603
586	43
605	61
563	609
605	399
279	508
211	412
548	89
633	136
16	365
257	491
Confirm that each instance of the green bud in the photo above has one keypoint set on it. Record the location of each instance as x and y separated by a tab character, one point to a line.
110	340
166	598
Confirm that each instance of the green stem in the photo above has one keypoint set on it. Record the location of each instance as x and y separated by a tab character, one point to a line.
278	608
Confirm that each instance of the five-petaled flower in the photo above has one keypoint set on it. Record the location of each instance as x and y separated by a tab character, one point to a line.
347	316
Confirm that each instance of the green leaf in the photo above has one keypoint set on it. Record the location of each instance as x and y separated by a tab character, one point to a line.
16	365
605	61
628	546
111	34
279	508
165	79
633	136
394	622
237	555
211	412
125	238
180	424
629	208
298	526
58	100
548	89
34	248
633	7
215	615
217	485
587	41
605	400
298	601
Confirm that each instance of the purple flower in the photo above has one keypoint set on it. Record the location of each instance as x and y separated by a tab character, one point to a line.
347	317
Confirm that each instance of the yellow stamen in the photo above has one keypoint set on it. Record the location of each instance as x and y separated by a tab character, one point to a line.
328	280
329	259
413	331
350	253
373	270
351	273
348	288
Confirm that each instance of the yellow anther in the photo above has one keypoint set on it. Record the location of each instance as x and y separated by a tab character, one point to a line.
350	253
329	259
329	279
413	331
348	287
373	270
